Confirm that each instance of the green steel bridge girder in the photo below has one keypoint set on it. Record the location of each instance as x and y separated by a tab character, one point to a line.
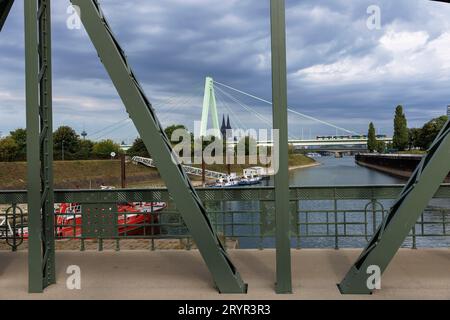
280	122
143	115
41	256
396	226
5	7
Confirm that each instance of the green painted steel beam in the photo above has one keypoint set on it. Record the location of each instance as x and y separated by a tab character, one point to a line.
33	154
281	151
5	8
39	144
416	195
46	140
143	115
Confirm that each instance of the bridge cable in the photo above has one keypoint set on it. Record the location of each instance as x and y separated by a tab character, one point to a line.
289	109
230	110
252	111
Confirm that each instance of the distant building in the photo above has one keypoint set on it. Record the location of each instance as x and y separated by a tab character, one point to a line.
225	127
125	147
448	111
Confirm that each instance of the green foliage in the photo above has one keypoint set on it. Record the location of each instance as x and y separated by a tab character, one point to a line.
380	147
8	149
20	137
103	149
291	149
372	142
66	140
430	131
401	132
414	138
86	150
138	149
249	143
170	130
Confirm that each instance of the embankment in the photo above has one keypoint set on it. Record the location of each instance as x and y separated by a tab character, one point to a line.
92	174
399	165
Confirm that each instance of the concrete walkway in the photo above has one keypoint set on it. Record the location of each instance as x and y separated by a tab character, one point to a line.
414	274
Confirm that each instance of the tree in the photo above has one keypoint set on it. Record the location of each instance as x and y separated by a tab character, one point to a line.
103	149
66	140
414	138
170	130
372	142
250	145
86	150
430	131
401	134
20	137
380	147
138	149
8	149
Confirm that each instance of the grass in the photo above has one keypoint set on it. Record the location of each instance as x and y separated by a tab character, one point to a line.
299	160
421	152
92	174
77	174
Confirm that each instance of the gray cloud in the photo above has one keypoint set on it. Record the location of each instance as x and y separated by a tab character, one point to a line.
339	70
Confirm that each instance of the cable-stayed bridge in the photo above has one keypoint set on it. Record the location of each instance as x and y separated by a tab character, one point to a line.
344	139
246	112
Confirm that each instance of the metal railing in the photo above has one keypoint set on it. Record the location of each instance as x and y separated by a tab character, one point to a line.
321	217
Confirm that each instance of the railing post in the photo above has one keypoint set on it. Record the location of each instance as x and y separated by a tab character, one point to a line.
280	122
336	224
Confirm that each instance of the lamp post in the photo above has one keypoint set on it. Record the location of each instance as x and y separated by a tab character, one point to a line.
62	150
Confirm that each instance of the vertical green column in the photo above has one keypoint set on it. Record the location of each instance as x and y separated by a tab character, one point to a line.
41	255
33	154
46	140
280	122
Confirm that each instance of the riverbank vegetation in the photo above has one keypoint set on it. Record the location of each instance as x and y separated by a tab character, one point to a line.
407	140
67	145
82	174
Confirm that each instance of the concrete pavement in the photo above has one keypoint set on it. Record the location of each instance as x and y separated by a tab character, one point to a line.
181	275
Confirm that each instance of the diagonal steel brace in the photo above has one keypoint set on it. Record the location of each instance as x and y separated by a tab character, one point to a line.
5	7
143	115
403	216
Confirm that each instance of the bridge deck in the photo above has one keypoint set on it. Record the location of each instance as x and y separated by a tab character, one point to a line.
414	274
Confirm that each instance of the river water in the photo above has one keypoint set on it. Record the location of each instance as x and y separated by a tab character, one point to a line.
336	172
322	226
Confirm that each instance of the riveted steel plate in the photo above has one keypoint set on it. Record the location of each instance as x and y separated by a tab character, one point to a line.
268	219
99	220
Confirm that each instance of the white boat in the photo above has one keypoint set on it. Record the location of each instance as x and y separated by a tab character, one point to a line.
314	155
228	182
250	180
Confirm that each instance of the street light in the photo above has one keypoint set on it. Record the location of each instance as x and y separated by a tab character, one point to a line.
62	150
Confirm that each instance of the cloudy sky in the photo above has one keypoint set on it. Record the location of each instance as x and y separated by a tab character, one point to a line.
340	71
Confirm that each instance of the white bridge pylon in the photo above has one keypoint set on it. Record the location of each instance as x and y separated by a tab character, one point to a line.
210	110
210	104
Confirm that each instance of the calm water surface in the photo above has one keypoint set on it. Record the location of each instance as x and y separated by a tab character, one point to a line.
333	172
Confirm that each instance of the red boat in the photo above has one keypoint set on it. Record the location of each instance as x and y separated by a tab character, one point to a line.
134	219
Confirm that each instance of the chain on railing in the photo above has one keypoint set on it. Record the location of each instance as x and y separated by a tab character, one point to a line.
12	226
